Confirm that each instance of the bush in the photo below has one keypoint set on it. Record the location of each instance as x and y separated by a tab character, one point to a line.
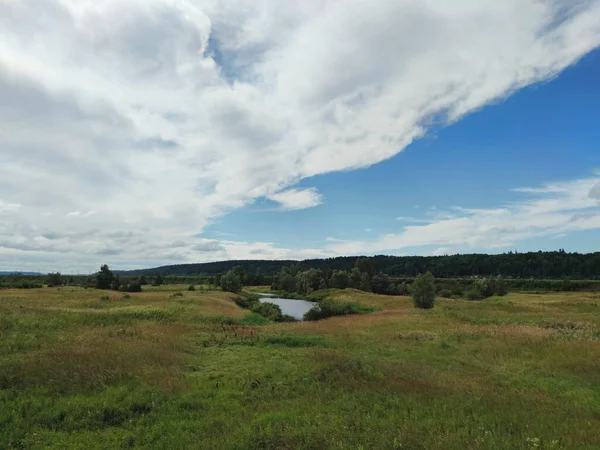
55	279
131	287
191	288
288	318
402	289
268	310
501	288
486	287
330	308
423	291
247	301
445	293
474	294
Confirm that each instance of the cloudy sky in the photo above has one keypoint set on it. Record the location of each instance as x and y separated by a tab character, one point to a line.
147	132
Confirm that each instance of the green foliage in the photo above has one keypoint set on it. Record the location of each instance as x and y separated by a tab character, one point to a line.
191	288
445	293
104	278
365	265
380	284
55	279
355	278
269	311
158	281
523	266
231	282
134	286
339	279
486	287
402	289
473	294
330	308
253	319
423	291
501	289
365	282
308	281
246	301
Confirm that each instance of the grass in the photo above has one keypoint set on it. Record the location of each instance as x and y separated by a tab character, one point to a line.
196	371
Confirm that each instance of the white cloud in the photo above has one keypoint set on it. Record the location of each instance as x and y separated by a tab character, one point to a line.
595	191
161	115
294	199
553	210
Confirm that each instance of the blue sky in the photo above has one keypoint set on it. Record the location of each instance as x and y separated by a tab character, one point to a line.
142	133
545	133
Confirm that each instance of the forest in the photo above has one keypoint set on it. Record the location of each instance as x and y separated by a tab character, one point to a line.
541	265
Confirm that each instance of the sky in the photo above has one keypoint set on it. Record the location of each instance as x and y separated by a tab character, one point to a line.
140	133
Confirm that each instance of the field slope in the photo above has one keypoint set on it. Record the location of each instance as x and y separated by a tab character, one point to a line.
173	369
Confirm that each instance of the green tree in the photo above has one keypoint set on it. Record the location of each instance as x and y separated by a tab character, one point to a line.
308	281
365	282
365	265
423	291
486	287
501	288
104	278
270	311
380	284
231	282
339	279
55	279
355	278
158	280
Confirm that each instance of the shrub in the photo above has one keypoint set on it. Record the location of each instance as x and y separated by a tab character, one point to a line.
247	301
501	288
330	308
445	293
474	294
380	284
423	291
402	289
131	287
191	288
288	318
55	279
268	310
486	287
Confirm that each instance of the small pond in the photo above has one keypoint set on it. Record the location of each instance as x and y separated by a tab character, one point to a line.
294	308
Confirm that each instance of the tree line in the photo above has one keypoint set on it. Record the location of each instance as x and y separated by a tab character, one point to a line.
541	265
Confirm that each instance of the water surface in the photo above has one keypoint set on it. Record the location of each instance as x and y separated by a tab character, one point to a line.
294	308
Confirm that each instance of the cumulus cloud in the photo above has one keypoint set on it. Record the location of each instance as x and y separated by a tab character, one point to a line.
161	115
294	199
550	210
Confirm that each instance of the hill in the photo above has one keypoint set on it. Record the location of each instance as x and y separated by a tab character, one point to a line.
557	264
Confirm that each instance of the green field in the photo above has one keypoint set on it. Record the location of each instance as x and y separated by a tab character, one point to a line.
163	370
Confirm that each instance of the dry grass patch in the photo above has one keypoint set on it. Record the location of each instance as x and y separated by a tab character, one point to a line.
93	358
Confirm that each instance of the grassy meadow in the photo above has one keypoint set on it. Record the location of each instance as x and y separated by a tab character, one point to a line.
172	369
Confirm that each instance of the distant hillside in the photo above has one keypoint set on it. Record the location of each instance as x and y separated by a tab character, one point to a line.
558	264
31	274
